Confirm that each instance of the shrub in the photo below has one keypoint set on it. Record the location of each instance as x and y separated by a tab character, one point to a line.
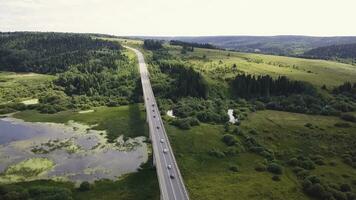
342	125
84	186
234	168
229	140
216	153
260	167
293	162
52	193
276	178
185	123
231	151
274	168
348	117
6	110
345	187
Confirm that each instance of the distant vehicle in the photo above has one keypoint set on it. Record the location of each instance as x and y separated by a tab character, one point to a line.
169	166
171	176
157	127
153	110
162	140
154	116
165	150
153	105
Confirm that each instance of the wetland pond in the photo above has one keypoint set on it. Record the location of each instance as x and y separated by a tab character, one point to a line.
68	152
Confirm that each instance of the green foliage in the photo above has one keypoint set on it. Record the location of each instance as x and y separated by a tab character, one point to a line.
348	117
48	52
234	168
229	140
185	123
13	192
84	186
248	86
274	168
203	110
152	44
185	80
191	44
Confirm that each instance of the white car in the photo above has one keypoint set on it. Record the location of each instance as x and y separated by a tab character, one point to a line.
162	140
169	166
165	150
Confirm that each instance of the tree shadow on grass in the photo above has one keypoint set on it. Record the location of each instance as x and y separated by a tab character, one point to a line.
137	121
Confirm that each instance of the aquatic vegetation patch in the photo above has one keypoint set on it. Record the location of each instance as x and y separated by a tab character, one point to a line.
70	152
27	169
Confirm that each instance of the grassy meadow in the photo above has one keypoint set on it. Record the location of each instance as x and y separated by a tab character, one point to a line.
209	177
218	65
22	86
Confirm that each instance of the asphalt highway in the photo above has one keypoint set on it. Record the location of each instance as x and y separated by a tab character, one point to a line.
170	180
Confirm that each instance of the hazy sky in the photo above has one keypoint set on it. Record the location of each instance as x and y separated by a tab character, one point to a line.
182	17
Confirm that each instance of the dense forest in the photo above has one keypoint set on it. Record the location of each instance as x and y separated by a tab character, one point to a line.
345	51
48	52
90	72
152	44
247	86
192	44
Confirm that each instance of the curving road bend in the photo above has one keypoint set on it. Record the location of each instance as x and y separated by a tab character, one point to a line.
170	180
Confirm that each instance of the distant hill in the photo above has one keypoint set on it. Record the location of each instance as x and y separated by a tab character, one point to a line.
279	45
345	51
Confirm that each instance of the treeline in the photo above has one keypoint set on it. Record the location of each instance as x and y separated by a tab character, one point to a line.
186	81
48	52
347	87
152	44
89	72
192	44
249	86
345	51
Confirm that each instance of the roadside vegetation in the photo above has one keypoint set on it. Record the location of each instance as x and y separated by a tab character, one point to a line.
294	138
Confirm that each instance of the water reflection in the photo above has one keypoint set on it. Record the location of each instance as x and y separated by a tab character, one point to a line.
78	153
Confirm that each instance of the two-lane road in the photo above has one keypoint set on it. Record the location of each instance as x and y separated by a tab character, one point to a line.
169	177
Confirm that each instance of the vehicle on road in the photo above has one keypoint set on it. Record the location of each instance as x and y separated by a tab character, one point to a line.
162	140
171	176
157	127
169	166
165	150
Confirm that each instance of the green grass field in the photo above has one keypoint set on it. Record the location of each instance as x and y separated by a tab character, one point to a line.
208	177
218	64
22	86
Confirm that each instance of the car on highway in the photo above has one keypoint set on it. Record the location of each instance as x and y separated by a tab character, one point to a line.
169	166
162	140
153	105
165	150
157	127
154	116
171	176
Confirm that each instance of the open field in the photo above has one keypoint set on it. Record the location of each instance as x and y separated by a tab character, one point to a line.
218	64
21	86
209	177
